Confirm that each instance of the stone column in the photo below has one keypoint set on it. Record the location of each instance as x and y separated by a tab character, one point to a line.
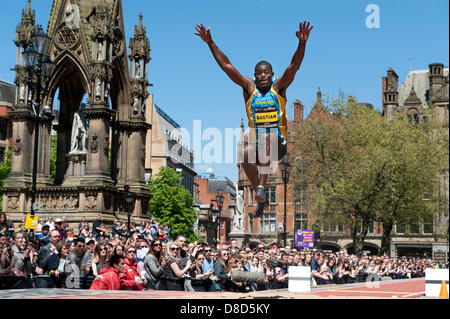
97	171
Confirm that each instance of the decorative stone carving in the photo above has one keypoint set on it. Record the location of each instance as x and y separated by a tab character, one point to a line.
136	105
18	146
94	144
58	202
67	37
13	202
91	202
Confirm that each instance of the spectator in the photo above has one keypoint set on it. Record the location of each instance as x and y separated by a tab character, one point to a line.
166	231
175	272
222	269
84	232
3	225
48	250
44	237
59	227
131	276
80	260
7	261
98	229
109	277
99	259
82	225
58	264
208	262
200	280
64	224
50	223
155	264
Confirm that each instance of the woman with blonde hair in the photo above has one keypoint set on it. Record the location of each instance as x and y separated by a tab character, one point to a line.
174	273
100	259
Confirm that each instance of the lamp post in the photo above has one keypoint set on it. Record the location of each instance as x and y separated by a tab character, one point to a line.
36	61
128	198
216	211
285	171
316	229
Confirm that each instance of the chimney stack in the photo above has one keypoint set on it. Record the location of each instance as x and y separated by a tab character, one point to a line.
298	111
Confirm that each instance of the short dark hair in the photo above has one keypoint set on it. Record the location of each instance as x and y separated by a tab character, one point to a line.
78	240
115	259
261	63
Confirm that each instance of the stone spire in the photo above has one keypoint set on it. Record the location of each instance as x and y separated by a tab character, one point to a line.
27	27
139	44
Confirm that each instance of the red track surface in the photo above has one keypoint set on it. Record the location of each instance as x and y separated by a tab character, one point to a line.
399	289
391	289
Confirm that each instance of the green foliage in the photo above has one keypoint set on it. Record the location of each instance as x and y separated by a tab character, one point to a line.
362	168
53	154
172	203
5	168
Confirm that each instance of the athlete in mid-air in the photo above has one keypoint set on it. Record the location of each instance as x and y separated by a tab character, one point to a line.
265	101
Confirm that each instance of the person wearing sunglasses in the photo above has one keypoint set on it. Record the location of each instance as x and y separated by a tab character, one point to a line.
155	264
131	276
99	259
222	270
175	273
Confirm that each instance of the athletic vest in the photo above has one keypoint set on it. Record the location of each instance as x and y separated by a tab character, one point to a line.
265	113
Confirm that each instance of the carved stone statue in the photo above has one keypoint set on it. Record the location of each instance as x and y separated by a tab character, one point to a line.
239	212
79	134
100	52
138	70
136	105
98	90
22	93
94	144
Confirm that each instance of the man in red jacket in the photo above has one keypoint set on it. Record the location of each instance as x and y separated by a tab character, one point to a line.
109	277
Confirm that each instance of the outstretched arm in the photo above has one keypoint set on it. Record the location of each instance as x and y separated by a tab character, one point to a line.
283	82
222	60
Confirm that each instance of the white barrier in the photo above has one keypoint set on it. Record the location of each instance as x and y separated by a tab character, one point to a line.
433	281
299	279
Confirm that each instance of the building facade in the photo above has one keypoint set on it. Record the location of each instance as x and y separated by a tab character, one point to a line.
166	147
216	229
7	100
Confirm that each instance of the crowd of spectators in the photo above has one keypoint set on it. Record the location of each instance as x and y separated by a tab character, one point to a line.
148	258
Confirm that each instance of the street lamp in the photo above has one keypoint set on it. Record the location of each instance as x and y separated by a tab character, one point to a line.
316	229
285	170
36	61
216	211
128	198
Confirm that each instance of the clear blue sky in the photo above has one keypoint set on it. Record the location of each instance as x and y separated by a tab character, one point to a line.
342	52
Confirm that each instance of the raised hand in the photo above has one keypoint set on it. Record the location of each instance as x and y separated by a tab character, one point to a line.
203	33
303	33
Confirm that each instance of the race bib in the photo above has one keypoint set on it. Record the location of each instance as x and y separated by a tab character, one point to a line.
266	117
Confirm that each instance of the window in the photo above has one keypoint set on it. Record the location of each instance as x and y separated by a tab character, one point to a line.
301	221
2	154
428	225
273	194
371	228
400	229
414	228
3	129
250	220
250	195
268	223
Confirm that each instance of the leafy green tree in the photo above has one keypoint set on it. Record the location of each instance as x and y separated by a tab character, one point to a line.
5	168
172	203
360	168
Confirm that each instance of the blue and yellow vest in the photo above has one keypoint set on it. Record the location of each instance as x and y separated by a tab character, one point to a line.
265	113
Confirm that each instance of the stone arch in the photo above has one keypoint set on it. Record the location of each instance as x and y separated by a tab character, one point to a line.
368	246
334	247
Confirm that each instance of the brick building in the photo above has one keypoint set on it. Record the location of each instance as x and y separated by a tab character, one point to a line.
7	100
